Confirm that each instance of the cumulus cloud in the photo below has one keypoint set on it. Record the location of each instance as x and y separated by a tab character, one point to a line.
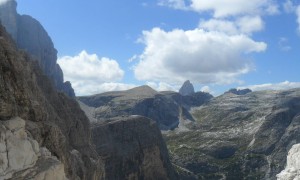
87	72
162	86
3	1
197	55
225	8
242	25
273	86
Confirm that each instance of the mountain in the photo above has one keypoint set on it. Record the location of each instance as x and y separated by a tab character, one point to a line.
167	108
187	88
133	148
45	134
31	37
239	91
238	136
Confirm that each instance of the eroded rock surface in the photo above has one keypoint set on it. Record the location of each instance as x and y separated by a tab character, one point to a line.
30	36
239	136
21	156
132	148
292	169
168	108
187	88
53	120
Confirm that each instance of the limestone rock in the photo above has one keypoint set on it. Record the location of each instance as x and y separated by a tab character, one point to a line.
17	151
53	119
187	88
292	169
20	155
239	91
166	108
239	136
30	36
132	148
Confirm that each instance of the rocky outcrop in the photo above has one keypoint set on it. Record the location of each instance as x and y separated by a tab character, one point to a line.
132	148
239	137
22	158
187	88
53	120
239	91
292	169
166	108
30	36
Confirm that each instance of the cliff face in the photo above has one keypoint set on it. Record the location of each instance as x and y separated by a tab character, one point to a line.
168	109
53	121
292	169
239	136
187	88
30	36
132	148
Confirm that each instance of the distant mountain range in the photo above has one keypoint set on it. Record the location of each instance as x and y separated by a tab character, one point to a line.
167	108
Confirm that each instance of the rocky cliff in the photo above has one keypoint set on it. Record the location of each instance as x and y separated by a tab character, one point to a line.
52	122
44	134
292	169
132	148
168	109
238	136
187	88
30	36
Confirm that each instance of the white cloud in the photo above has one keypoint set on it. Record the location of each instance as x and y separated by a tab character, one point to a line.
225	8
288	6
176	4
283	44
162	86
87	72
3	1
197	55
276	86
205	89
242	25
298	17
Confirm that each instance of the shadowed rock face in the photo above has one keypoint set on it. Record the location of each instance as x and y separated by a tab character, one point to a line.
30	36
45	134
187	88
52	119
239	91
239	136
132	148
166	108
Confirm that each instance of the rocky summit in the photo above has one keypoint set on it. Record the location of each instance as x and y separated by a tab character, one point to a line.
132	148
238	136
30	36
187	88
169	109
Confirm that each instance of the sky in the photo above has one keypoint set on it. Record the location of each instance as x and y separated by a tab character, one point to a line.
112	45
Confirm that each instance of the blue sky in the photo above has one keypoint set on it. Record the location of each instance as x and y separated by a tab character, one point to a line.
217	44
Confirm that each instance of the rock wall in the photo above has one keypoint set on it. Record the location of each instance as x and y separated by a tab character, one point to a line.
21	156
30	36
132	148
292	169
53	119
187	88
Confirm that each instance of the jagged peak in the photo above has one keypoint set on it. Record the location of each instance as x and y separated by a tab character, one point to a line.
187	88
